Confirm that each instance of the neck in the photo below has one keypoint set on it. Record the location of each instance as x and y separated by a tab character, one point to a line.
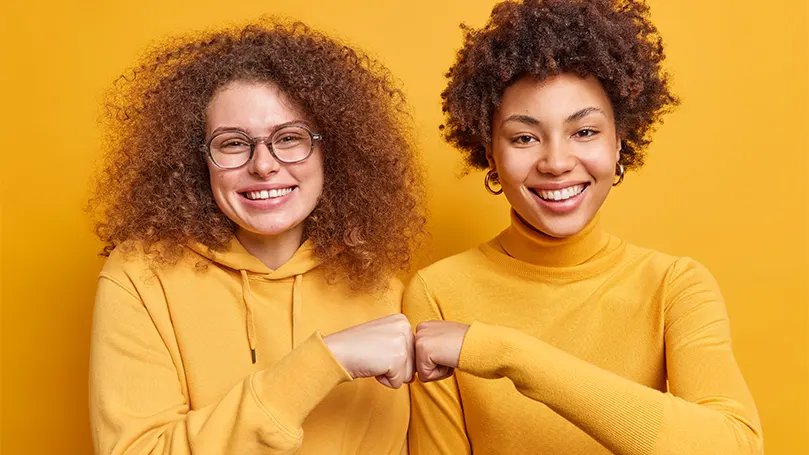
521	241
272	250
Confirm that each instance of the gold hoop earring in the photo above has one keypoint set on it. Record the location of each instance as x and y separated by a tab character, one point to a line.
620	172
492	175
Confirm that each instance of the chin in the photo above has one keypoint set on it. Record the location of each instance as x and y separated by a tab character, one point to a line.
560	227
562	231
268	226
269	231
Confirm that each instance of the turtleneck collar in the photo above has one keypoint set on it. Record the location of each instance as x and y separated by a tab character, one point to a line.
523	242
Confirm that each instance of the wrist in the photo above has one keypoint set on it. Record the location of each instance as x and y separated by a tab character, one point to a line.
333	345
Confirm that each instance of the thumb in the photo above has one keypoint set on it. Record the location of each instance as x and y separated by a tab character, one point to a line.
426	368
438	373
393	379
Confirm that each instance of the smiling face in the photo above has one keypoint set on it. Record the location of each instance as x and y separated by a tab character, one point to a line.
555	149
264	197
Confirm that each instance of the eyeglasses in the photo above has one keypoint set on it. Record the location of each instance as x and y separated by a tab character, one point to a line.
231	149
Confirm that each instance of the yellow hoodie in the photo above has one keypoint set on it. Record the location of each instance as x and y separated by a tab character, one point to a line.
228	358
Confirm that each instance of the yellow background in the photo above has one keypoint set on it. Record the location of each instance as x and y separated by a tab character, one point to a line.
726	181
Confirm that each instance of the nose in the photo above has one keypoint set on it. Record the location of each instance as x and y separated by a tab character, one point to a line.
263	163
556	159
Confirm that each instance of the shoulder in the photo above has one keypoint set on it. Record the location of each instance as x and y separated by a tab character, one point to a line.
461	264
671	266
133	263
431	286
656	265
676	274
392	289
128	261
385	296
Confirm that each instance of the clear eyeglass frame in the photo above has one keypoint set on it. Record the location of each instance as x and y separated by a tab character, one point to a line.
268	141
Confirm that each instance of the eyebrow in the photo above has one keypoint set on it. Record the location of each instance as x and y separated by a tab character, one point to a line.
580	114
274	129
527	119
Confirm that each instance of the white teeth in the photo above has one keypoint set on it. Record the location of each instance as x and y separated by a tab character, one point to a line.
267	194
561	195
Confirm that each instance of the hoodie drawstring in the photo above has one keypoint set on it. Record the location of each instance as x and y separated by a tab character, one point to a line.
247	297
248	305
296	307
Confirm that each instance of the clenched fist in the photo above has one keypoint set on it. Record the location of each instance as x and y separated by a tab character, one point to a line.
382	348
438	348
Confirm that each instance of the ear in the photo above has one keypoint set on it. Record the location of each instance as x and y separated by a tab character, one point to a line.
618	150
490	157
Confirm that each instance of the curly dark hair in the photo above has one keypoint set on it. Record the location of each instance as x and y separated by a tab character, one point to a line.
612	40
154	187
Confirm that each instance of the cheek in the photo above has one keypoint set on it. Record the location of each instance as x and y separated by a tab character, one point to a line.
514	168
222	183
600	165
605	169
312	174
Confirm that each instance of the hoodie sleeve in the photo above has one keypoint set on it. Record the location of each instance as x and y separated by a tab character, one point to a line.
139	404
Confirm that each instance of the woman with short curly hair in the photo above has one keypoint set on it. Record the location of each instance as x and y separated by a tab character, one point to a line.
563	338
260	189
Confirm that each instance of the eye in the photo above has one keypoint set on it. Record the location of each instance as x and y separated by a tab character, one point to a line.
585	133
230	143
235	143
288	138
523	139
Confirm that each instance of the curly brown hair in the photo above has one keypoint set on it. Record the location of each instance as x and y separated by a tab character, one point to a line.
612	40
154	187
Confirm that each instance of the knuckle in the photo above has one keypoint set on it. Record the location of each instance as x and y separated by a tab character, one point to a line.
421	343
399	356
403	324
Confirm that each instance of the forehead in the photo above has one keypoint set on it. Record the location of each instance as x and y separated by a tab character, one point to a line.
253	106
553	98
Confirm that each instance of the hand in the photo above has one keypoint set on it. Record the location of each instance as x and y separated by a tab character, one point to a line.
382	348
438	348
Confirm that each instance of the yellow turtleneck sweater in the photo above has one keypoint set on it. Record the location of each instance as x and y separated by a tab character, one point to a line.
585	345
228	358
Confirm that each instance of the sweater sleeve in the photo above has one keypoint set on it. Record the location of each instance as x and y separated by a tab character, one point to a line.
138	405
436	419
708	410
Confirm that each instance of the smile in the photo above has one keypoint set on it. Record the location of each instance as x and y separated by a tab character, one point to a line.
560	195
267	194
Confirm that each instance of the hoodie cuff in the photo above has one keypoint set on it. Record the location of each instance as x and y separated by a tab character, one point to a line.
293	386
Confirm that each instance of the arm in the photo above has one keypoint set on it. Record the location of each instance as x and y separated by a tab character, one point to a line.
709	410
436	419
138	405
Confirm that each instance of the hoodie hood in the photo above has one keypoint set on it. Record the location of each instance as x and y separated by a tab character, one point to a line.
237	258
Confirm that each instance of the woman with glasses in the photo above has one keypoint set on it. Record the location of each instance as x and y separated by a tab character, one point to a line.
258	196
563	338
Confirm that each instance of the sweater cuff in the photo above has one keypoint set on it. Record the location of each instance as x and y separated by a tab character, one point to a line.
293	386
486	351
